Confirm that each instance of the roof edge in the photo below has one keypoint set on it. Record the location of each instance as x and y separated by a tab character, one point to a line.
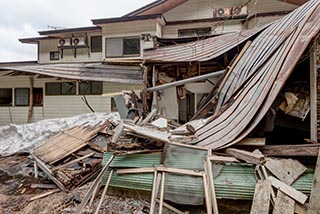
69	30
125	19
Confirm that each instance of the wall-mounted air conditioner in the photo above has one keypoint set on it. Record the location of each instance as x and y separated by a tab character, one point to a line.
79	41
64	42
222	12
240	11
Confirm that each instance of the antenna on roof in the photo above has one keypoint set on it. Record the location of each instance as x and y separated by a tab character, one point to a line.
55	27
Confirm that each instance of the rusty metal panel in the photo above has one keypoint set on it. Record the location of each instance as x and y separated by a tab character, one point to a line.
131	74
202	50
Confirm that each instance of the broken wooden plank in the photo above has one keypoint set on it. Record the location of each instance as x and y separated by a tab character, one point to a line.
43	186
117	132
252	142
149	133
48	172
246	156
135	170
314	202
206	192
261	198
212	190
290	191
169	207
154	192
153	112
283	204
162	192
308	150
73	161
104	191
223	159
93	185
44	194
300	208
286	170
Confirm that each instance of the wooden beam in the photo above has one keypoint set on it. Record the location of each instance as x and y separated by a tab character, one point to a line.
246	156
212	189
169	207
207	194
308	150
314	202
162	192
135	170
283	204
72	162
290	191
313	92
223	159
154	193
44	194
261	198
104	191
252	142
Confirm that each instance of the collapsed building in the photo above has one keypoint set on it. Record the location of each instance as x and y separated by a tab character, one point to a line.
233	116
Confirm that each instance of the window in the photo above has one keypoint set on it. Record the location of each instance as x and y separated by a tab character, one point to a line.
37	96
60	88
194	32
114	107
117	47
54	55
5	97
68	88
96	44
21	97
90	88
131	46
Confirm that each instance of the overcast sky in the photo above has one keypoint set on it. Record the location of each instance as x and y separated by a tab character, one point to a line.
24	18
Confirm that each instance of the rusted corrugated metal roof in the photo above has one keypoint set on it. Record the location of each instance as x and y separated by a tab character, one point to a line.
84	71
253	85
202	50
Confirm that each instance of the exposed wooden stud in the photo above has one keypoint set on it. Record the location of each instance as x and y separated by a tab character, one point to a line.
252	142
73	161
162	192
30	111
207	194
154	192
313	92
35	170
211	183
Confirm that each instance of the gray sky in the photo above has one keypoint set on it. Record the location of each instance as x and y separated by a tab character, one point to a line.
24	18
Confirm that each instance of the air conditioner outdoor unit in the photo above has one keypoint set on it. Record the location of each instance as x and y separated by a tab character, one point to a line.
64	42
222	12
79	41
239	11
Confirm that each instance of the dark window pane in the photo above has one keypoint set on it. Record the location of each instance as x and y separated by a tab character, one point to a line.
5	97
96	87
54	55
37	96
131	46
84	88
96	43
68	88
114	107
21	96
53	88
194	32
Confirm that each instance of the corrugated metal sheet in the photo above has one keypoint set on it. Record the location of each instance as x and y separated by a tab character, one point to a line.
253	85
235	181
202	50
84	71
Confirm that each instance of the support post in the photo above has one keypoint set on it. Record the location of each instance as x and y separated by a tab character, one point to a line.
30	112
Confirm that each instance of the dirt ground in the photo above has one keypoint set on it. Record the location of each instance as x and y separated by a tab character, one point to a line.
16	178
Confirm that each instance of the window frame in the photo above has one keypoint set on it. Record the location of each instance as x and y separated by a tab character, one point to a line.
90	88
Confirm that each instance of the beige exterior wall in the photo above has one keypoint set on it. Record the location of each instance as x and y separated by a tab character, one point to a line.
83	54
203	9
57	106
130	29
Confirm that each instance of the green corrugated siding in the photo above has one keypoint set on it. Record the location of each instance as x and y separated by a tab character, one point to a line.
235	181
